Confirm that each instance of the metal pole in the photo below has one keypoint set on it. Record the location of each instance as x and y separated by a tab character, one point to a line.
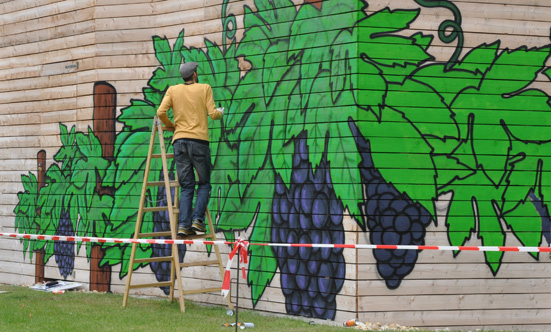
237	296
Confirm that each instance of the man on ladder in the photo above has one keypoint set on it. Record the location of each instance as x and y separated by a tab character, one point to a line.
190	103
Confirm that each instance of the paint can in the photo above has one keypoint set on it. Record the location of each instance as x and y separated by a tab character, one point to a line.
352	322
246	325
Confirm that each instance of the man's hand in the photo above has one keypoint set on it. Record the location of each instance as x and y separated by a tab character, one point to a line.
221	110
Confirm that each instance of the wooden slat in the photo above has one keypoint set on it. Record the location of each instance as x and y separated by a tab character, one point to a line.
453	302
410	287
445	318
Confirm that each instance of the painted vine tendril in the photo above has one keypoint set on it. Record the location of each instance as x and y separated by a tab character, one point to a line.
230	26
443	33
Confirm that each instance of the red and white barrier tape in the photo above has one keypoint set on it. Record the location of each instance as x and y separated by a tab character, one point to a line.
311	245
106	239
240	247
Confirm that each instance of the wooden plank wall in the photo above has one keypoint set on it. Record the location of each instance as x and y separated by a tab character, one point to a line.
52	53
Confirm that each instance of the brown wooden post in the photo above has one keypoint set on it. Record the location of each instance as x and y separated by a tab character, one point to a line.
105	107
39	254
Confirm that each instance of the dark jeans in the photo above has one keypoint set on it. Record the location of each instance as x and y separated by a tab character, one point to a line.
190	155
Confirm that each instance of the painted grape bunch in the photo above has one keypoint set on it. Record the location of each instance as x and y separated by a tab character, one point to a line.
64	251
392	219
161	223
308	212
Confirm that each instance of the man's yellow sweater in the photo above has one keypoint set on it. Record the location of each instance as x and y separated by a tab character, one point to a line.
190	105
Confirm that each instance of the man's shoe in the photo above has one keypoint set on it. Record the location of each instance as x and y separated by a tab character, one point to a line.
198	226
185	231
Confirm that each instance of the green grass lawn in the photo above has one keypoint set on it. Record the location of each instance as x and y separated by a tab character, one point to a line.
23	309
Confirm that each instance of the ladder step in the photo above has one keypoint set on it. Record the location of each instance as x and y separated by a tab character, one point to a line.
168	233
199	236
154	284
162	183
159	155
199	263
159	208
153	259
154	234
202	290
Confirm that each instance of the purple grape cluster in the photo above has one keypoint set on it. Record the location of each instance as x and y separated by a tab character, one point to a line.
308	212
161	223
64	251
392	218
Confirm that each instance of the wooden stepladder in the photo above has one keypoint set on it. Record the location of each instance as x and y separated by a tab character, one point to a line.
172	208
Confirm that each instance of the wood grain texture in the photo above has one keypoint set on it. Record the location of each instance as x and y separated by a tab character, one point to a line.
53	52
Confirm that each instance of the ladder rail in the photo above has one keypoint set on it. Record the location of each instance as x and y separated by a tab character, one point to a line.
140	215
175	258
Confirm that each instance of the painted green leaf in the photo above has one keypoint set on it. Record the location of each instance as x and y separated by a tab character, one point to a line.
254	145
286	121
500	79
238	212
276	61
491	148
386	21
412	153
393	51
422	40
247	96
98	214
395	55
369	87
527	115
130	156
479	59
447	83
449	169
343	51
254	44
223	175
154	96
490	232
138	116
305	31
523	176
162	50
168	74
263	264
423	107
113	254
345	173
460	221
525	222
278	14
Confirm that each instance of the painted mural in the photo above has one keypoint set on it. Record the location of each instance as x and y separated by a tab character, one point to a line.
340	113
